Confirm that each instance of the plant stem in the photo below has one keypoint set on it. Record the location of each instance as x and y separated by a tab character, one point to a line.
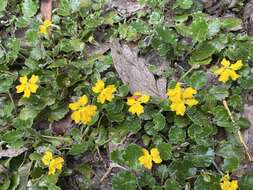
238	131
12	101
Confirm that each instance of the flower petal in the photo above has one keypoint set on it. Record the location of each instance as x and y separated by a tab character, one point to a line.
23	80
20	88
34	79
99	86
155	155
236	66
225	62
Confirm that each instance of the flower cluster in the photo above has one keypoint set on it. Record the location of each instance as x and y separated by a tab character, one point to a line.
105	93
28	86
135	103
227	70
43	28
180	97
82	113
146	159
227	184
52	163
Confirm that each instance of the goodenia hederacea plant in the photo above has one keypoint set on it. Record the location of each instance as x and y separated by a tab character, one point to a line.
67	114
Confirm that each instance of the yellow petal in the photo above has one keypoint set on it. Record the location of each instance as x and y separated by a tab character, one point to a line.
23	80
234	185
144	99
20	88
131	101
83	100
33	88
224	77
47	157
27	93
74	106
76	116
189	92
219	71
34	79
136	109
87	113
145	152
191	102
238	65
156	155
233	74
101	98
111	88
43	29
99	86
146	161
179	108
225	62
47	23
56	163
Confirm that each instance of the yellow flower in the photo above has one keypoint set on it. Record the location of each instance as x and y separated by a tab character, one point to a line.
52	163
105	93
43	28
135	103
47	157
227	184
227	70
82	113
180	97
146	159
55	164
28	86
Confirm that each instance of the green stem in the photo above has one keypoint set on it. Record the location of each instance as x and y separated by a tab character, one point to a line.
12	101
189	71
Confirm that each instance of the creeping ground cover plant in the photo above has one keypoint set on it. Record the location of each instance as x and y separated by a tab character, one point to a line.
126	95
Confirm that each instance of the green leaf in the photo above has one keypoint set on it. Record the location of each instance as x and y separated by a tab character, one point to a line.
201	156
231	23
29	8
166	35
131	156
246	182
165	150
172	184
124	181
198	79
247	82
177	135
232	152
199	29
219	92
203	53
6	81
3	4
57	112
64	8
77	149
198	117
184	4
212	183
182	169
159	122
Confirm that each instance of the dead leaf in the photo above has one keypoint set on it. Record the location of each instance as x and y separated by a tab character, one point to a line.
133	71
61	127
46	9
10	153
248	17
126	8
